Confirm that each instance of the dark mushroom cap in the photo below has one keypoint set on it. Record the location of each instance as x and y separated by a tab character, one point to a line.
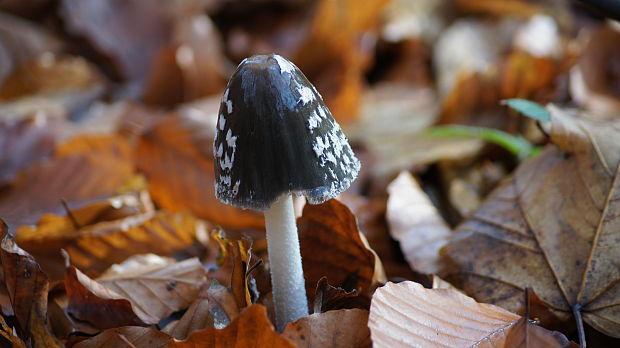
275	136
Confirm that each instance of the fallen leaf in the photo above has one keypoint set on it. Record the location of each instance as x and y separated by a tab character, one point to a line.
192	66
519	237
154	286
593	80
406	314
96	247
337	329
416	224
27	286
129	336
21	41
334	57
81	169
124	35
53	75
327	298
525	334
25	140
88	299
9	334
216	308
177	159
332	246
250	329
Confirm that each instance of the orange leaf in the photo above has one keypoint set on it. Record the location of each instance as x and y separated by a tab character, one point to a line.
251	328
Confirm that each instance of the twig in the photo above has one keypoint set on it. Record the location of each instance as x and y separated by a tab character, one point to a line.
70	215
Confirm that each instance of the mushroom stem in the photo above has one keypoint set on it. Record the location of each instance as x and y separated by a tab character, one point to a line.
287	275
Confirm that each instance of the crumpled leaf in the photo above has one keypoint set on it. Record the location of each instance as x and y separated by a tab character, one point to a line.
129	336
81	169
332	246
214	308
88	299
337	329
407	314
251	328
416	224
327	298
27	286
154	286
9	334
552	227
177	158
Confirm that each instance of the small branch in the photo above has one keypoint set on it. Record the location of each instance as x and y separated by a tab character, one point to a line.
70	215
580	331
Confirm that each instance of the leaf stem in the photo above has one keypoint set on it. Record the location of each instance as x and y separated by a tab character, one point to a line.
580	331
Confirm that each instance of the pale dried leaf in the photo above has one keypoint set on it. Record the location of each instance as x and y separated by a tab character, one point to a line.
155	286
408	315
416	224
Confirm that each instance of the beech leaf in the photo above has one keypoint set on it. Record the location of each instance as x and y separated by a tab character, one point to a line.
333	246
553	227
416	224
153	286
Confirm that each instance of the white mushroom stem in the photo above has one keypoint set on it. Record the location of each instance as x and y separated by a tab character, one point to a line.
287	275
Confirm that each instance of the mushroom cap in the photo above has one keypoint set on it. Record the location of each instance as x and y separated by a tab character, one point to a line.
275	136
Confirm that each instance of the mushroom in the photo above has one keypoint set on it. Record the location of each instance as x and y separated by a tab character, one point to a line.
275	137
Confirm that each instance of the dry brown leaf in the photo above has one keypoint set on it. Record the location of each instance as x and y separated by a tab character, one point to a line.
416	224
176	157
51	75
27	286
251	328
9	334
129	336
553	227
524	334
332	246
154	286
334	57
593	81
327	298
214	309
96	247
89	299
407	314
336	329
126	35
21	41
191	67
82	169
25	140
